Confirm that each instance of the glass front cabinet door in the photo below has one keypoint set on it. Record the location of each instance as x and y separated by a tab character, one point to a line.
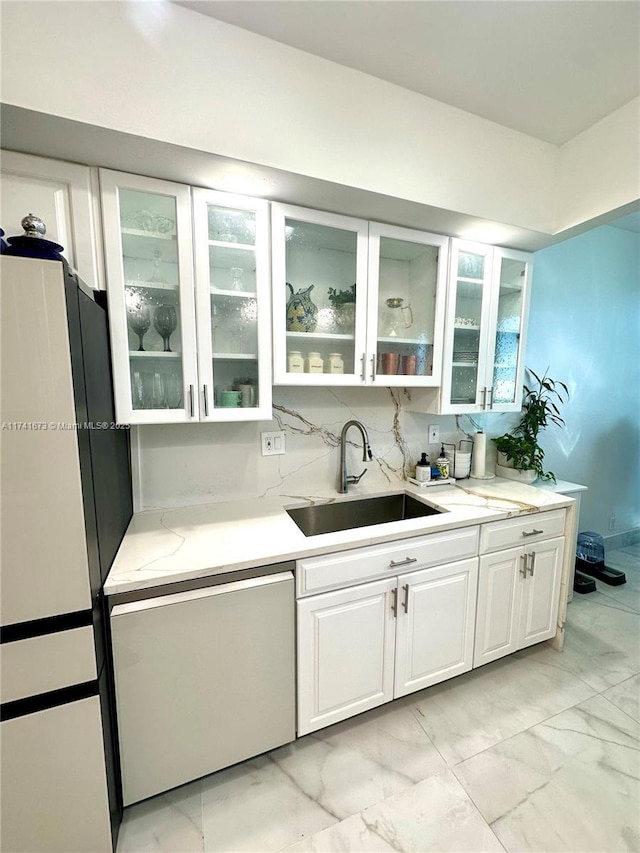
406	304
487	310
148	254
319	297
233	306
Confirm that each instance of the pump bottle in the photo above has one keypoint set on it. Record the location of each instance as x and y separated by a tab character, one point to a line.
423	469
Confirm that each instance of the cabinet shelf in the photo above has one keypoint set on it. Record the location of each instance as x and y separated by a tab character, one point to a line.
151	285
235	356
242	247
392	339
234	294
319	336
147	235
153	354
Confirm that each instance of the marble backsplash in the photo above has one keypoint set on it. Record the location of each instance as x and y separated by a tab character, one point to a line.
179	465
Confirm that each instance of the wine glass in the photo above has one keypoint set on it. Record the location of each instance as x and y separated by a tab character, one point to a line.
139	314
236	278
157	260
165	321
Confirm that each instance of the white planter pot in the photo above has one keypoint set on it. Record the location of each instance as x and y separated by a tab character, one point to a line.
504	468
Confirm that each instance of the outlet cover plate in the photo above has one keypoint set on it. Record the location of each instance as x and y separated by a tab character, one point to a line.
434	434
273	443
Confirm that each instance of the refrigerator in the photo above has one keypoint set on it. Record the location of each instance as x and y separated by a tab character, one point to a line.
65	482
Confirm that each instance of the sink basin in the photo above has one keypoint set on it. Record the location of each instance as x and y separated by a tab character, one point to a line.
347	515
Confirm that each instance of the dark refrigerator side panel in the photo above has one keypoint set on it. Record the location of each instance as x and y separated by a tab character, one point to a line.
106	483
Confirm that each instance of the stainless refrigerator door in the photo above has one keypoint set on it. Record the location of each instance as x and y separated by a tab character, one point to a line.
43	550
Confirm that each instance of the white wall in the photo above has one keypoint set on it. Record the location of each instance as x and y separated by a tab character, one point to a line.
601	164
158	70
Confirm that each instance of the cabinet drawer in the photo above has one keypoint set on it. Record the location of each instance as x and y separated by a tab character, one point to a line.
521	531
333	571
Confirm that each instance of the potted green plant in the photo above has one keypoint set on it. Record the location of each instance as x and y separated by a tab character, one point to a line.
520	455
343	303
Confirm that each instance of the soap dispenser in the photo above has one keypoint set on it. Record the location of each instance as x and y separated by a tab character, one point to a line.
442	464
423	469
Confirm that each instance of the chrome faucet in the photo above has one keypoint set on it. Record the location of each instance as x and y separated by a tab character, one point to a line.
343	480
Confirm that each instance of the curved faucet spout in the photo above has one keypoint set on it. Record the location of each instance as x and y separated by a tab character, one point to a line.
343	479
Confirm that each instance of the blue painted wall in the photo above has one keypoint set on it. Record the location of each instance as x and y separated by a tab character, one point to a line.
585	327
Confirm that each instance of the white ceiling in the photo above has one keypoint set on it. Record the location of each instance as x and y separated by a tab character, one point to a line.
548	68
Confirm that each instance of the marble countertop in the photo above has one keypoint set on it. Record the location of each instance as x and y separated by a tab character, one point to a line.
167	545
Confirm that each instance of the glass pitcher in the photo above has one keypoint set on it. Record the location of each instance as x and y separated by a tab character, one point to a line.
397	316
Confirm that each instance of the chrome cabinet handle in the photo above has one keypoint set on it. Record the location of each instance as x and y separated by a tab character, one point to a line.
405	603
364	369
484	398
532	563
393	564
191	401
533	532
523	568
206	401
373	368
490	393
394	601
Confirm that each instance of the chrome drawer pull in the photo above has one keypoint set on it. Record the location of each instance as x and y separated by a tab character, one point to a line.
373	368
533	532
405	603
394	601
191	401
364	369
206	401
532	563
393	564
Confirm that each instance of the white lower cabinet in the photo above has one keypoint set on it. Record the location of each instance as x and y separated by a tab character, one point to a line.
518	592
365	645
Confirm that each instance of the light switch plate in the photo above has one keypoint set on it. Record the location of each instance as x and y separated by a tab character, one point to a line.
434	434
272	443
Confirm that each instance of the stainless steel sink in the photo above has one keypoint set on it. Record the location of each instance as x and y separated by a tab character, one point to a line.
346	515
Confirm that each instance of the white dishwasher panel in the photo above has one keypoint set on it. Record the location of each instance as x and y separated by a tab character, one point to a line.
204	679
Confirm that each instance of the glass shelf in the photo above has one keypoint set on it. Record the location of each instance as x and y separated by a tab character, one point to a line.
151	285
153	235
234	294
235	356
153	354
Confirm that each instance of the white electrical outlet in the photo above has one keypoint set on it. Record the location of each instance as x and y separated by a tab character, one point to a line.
612	522
434	434
272	443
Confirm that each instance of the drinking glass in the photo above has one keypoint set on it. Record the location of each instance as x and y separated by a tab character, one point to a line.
165	321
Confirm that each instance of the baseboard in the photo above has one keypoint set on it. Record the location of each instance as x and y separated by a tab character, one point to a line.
622	540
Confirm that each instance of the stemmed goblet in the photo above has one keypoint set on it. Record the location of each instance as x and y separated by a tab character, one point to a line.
139	314
165	321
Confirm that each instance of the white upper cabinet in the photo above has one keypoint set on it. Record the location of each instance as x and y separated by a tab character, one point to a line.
487	308
355	303
62	195
186	348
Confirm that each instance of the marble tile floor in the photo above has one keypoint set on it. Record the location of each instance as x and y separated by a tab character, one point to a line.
538	751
